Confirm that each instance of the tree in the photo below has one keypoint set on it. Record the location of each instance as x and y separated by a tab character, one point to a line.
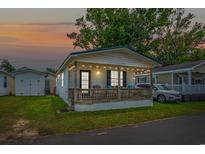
177	42
6	66
168	35
51	70
113	27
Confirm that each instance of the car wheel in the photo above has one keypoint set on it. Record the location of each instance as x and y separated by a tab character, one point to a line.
161	99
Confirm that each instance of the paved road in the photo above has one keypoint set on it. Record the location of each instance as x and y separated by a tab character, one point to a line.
180	130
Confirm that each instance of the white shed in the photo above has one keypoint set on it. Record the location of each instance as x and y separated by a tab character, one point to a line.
29	82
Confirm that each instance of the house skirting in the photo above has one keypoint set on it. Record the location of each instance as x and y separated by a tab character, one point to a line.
113	105
193	97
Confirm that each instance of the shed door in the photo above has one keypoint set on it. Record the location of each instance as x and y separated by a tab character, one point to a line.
30	87
34	87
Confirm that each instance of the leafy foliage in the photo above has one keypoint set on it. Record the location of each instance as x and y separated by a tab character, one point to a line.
177	42
7	66
168	35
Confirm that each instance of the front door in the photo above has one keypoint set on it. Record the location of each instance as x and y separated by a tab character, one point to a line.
84	79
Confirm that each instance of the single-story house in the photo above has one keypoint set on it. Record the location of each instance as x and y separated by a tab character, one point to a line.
31	82
101	79
188	78
6	83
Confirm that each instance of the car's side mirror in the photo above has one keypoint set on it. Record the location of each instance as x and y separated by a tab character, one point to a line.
155	89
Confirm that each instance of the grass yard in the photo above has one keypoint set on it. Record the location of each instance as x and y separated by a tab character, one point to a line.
41	115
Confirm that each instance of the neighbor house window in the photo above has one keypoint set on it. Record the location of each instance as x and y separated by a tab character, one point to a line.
5	82
62	79
142	79
114	78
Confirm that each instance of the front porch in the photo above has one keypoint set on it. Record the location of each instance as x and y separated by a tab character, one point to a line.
190	82
98	87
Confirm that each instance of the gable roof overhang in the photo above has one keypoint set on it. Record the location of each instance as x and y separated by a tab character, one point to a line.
179	68
93	51
3	72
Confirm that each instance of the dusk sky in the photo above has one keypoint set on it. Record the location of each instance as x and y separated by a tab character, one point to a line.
36	38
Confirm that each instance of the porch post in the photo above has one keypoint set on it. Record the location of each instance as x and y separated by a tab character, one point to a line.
172	80
75	86
189	81
151	75
118	87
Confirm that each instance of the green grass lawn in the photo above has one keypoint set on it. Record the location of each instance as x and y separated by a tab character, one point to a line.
42	114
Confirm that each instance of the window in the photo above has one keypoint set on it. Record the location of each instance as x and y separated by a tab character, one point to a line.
114	78
5	82
62	80
142	79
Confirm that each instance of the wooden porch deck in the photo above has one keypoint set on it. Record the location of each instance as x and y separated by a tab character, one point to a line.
90	96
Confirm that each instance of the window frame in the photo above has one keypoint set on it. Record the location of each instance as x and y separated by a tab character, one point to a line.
114	78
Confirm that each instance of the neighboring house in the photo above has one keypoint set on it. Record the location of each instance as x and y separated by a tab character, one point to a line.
188	78
6	84
30	82
103	79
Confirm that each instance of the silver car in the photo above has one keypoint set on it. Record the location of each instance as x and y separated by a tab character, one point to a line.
163	94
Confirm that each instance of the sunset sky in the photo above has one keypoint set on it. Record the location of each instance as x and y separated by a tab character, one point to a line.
36	38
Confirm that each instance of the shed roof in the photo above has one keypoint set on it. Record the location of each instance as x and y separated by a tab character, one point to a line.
26	69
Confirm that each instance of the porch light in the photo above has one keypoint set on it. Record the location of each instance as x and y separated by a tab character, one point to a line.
98	72
90	66
137	69
104	67
122	68
110	67
116	68
83	65
97	66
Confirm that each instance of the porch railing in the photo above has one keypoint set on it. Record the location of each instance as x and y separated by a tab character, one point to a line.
107	95
188	89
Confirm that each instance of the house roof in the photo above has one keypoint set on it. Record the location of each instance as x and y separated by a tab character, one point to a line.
184	66
26	69
3	72
103	49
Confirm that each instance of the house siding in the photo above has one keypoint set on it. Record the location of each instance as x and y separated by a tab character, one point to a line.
164	78
52	80
62	91
10	85
101	79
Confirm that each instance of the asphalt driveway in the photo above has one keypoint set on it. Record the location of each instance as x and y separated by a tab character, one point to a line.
179	130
